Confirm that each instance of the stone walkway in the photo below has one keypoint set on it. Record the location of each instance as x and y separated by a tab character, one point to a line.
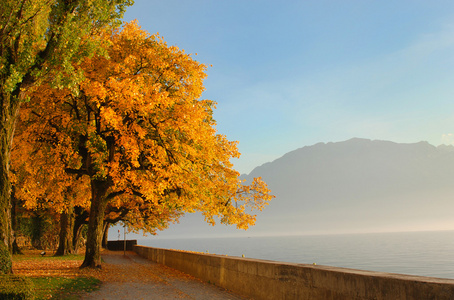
133	277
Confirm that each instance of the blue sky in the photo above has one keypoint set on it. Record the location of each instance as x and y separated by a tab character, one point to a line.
287	74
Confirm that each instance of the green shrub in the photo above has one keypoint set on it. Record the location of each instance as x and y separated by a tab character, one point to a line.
13	287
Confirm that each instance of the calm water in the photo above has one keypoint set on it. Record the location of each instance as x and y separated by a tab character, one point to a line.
416	253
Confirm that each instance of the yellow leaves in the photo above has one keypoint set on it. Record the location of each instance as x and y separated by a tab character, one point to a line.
138	124
34	265
96	90
110	117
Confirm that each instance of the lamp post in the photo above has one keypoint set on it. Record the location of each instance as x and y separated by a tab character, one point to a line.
124	230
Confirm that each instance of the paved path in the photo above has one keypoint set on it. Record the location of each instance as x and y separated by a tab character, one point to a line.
133	277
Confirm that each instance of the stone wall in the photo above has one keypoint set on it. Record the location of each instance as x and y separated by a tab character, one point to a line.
120	245
261	279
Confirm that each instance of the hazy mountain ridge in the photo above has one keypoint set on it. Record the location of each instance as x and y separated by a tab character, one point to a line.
359	185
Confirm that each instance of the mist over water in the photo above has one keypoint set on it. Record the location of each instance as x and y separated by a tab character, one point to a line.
414	253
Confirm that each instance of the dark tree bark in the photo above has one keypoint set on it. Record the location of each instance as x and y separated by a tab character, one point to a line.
9	109
81	217
65	245
16	249
95	224
105	234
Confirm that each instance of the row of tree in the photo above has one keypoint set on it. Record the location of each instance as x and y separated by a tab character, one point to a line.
111	127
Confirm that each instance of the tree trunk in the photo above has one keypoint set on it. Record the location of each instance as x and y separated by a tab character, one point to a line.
37	231
80	220
65	246
76	237
105	235
16	249
5	204
95	224
9	110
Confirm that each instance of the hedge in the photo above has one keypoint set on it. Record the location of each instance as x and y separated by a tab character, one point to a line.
13	287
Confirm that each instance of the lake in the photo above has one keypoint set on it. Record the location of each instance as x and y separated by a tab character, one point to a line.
415	253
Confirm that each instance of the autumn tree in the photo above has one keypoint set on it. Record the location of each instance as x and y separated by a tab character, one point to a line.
40	181
138	131
39	38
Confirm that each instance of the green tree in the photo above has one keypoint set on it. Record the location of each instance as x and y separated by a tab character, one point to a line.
41	39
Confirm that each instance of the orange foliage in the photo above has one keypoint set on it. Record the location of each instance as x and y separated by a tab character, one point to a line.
137	125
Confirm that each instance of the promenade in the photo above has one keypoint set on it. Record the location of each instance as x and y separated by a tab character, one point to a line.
133	277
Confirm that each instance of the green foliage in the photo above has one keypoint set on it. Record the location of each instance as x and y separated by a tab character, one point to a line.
5	258
40	36
16	288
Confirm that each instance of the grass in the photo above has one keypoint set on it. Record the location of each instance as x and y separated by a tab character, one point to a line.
33	256
55	277
63	288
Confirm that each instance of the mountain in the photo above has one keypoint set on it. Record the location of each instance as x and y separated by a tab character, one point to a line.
357	185
360	185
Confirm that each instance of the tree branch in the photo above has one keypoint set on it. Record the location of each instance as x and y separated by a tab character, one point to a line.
123	212
76	171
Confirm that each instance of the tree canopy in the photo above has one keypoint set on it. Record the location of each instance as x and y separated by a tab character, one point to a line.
137	130
42	40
